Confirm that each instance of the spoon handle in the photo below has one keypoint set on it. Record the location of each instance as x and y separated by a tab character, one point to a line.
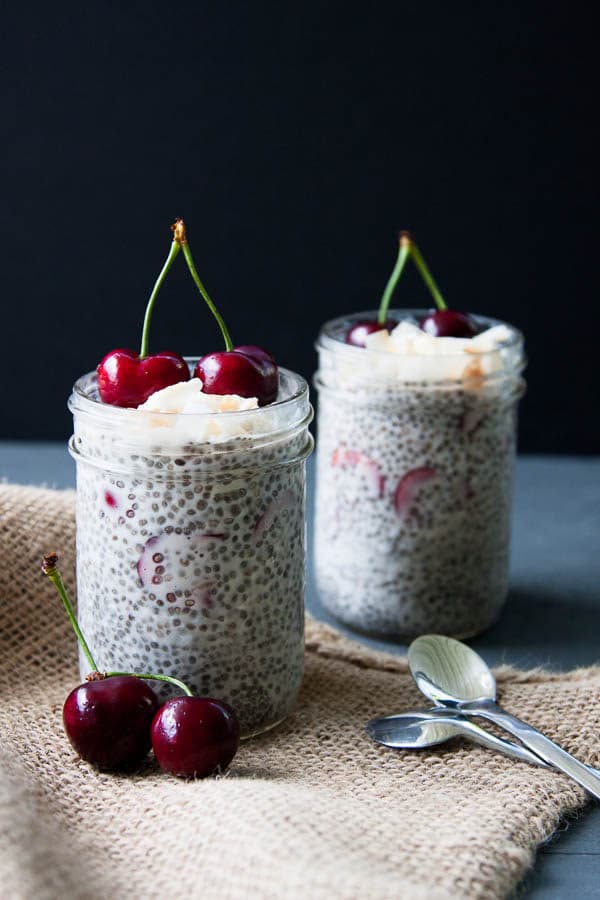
477	734
539	743
491	742
402	732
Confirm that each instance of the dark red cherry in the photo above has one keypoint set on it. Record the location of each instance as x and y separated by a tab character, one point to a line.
195	736
126	380
108	721
357	334
448	323
247	371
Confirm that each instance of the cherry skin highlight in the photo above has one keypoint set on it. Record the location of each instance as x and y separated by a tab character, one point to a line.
448	323
357	334
194	737
247	371
108	721
126	379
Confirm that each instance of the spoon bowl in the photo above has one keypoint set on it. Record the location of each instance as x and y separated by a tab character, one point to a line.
420	729
457	678
449	672
408	730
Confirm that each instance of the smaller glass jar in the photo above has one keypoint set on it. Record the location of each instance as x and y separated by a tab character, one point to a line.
191	546
414	482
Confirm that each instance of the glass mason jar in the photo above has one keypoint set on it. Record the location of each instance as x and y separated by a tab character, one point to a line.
414	483
191	546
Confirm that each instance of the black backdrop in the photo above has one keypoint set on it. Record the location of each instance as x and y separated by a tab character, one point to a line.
296	139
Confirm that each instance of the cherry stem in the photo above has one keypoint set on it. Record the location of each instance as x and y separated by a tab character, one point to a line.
178	229
153	677
403	254
175	248
424	272
49	568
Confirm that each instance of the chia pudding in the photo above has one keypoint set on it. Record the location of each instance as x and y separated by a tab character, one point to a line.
191	543
416	442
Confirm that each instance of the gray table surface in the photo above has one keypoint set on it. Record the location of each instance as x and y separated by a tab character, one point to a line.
552	616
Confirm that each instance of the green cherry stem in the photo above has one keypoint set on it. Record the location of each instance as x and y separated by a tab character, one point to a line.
425	273
153	677
175	248
50	568
403	254
179	235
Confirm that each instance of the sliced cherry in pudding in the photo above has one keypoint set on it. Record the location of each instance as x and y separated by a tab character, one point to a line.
165	555
126	379
348	458
408	488
286	500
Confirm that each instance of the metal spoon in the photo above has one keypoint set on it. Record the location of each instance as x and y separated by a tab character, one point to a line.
455	677
419	729
428	727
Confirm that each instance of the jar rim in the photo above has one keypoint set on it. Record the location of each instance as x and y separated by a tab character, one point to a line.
82	399
372	369
327	335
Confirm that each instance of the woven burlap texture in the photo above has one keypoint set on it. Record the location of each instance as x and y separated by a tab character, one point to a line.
310	810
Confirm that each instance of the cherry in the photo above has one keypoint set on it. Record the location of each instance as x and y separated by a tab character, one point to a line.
448	323
265	362
357	334
247	371
108	721
194	737
127	379
442	322
114	718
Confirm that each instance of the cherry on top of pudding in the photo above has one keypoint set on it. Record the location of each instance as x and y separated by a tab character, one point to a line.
358	333
183	415
247	371
128	379
448	323
439	322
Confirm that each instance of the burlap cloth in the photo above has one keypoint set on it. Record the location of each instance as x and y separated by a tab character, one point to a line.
311	810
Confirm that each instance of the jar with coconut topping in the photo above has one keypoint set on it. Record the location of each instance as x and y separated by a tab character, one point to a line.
415	451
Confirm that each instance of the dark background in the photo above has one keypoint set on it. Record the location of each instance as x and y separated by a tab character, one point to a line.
296	139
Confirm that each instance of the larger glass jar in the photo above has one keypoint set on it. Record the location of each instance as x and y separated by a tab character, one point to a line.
414	483
191	545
